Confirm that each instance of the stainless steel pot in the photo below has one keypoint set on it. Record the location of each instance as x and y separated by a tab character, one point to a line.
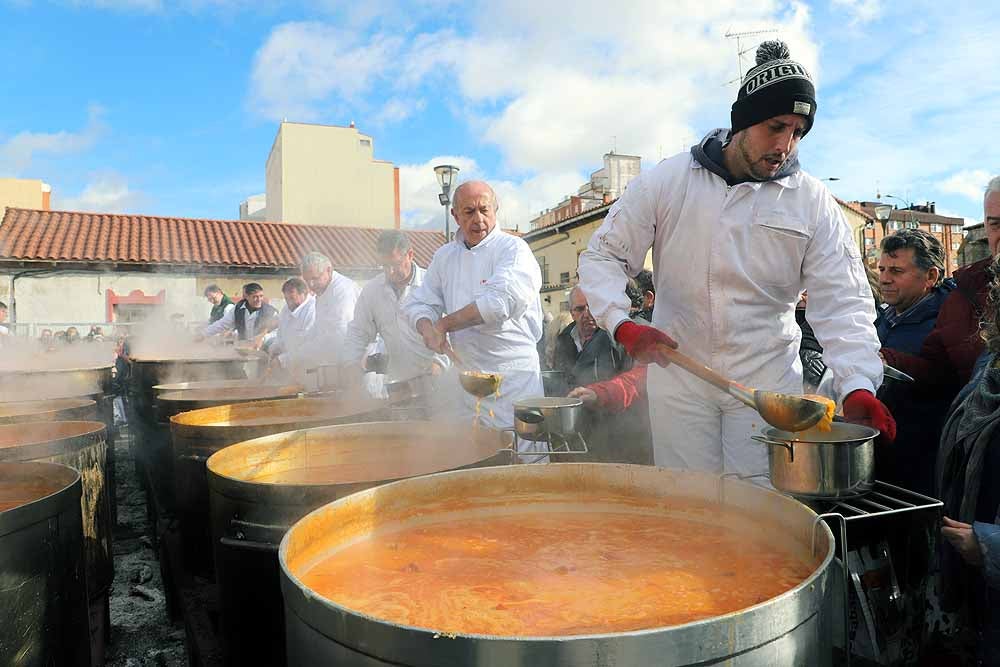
839	463
536	419
790	629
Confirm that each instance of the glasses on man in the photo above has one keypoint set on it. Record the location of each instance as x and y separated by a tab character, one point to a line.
578	310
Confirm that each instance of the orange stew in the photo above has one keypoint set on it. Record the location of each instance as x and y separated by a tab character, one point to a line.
556	573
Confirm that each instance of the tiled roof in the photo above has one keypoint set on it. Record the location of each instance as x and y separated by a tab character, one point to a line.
906	215
854	206
102	238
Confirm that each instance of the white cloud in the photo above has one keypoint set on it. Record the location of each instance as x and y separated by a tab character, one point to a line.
861	11
519	201
304	67
969	183
107	192
398	109
18	152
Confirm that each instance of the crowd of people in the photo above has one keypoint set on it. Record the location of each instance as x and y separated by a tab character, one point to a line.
755	274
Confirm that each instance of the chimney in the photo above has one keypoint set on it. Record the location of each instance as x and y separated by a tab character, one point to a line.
931	205
46	197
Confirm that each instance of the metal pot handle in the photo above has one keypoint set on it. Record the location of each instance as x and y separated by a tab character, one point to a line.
529	415
251	545
197	458
781	443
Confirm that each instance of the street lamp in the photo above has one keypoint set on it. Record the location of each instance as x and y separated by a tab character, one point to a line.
882	213
446	176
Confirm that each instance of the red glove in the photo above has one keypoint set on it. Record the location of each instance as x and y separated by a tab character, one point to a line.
861	407
644	343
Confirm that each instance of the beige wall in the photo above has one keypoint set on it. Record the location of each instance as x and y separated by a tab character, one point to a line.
324	175
23	193
72	298
561	252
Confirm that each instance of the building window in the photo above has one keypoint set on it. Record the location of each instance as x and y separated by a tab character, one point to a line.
564	306
895	225
564	277
955	245
543	264
366	143
913	224
935	228
869	242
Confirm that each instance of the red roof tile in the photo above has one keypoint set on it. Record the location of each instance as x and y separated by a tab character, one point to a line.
103	238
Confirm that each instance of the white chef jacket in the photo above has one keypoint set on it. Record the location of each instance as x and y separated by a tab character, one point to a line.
323	342
227	323
729	264
293	327
502	277
377	313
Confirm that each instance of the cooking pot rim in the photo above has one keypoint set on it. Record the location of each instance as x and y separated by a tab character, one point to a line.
840	433
547	402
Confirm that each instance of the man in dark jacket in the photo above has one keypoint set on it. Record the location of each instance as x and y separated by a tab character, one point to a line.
587	355
251	318
911	279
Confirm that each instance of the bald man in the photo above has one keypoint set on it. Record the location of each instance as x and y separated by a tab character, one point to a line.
480	298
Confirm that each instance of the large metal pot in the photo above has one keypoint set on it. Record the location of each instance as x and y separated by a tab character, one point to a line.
80	445
839	463
259	488
64	409
537	419
43	594
790	629
198	434
171	403
151	437
51	382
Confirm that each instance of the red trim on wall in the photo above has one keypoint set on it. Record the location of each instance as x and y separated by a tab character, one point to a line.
136	296
395	183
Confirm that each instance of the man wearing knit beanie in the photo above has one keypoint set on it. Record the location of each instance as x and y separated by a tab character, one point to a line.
738	231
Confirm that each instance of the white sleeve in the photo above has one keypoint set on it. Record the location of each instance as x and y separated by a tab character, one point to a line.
616	251
361	330
324	342
841	307
225	323
426	300
512	288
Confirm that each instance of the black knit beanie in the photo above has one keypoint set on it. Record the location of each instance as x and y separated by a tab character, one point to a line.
776	86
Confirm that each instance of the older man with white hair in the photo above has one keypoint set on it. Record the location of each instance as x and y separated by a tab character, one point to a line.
479	299
336	296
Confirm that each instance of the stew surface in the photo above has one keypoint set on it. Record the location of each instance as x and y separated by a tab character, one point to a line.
561	573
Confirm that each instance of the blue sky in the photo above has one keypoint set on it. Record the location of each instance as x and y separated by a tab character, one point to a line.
170	108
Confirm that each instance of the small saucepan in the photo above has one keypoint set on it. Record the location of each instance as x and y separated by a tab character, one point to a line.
839	463
536	418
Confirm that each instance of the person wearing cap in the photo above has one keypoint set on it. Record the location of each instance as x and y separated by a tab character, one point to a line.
752	231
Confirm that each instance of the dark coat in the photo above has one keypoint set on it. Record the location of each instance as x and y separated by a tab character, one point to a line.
909	332
950	350
220	310
618	438
920	414
267	318
600	359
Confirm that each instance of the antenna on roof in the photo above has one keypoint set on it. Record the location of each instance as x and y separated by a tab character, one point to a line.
740	51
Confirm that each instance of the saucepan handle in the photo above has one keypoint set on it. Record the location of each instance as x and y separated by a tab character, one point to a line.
780	443
529	415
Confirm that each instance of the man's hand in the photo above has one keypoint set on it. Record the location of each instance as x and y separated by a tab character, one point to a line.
435	339
961	536
644	344
588	396
861	407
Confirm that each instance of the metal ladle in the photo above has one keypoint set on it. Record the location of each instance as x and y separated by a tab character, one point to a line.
782	411
477	383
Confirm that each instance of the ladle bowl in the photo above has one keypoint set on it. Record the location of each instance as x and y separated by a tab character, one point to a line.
479	384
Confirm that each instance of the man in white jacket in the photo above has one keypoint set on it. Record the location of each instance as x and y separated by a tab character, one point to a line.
377	313
480	297
294	323
737	232
336	296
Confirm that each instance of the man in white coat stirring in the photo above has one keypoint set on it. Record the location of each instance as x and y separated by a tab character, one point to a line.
480	297
377	314
737	232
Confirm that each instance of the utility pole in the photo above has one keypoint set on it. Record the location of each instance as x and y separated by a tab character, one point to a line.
740	51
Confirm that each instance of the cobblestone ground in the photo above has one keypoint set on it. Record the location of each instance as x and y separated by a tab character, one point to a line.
141	633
